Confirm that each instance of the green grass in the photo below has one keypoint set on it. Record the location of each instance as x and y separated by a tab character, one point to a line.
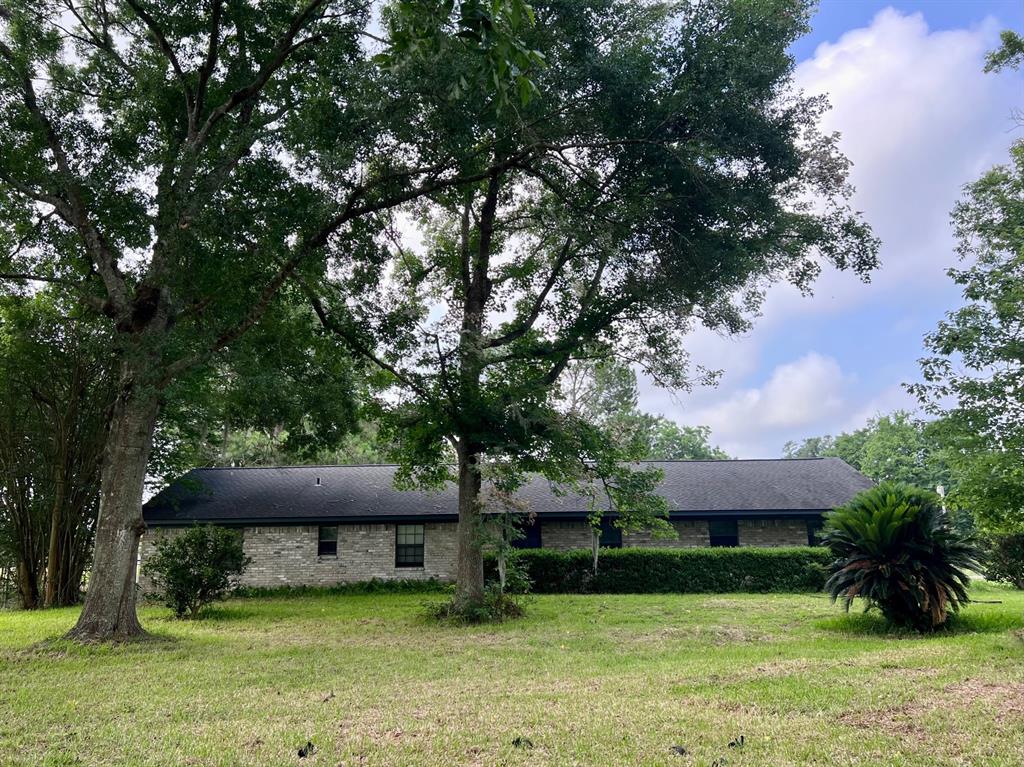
589	680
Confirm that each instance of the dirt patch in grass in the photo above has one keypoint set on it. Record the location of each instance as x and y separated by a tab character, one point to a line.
1002	701
717	635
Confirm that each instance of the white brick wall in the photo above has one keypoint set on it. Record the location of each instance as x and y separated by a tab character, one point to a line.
287	556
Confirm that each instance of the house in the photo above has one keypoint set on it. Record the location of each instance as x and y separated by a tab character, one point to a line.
321	525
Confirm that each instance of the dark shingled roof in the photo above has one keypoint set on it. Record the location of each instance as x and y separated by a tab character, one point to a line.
280	495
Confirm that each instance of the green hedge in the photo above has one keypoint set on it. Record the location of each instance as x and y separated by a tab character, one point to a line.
652	571
356	588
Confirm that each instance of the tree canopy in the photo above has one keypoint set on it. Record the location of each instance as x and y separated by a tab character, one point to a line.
974	377
663	175
172	165
895	447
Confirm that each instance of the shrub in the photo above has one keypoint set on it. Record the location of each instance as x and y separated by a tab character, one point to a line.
198	566
697	570
355	588
498	606
1004	559
895	548
499	603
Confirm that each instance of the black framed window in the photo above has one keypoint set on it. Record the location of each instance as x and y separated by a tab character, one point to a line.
530	537
814	531
611	536
723	532
327	542
409	545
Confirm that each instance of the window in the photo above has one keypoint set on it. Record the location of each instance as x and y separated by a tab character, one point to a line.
327	542
814	531
409	546
723	532
530	538
611	536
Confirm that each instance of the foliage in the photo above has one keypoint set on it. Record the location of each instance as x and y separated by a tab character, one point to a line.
894	447
1004	559
491	29
497	605
282	394
604	393
895	549
1009	55
56	387
977	357
372	586
670	441
691	570
196	567
661	177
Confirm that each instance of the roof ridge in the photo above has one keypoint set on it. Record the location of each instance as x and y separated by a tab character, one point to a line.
395	465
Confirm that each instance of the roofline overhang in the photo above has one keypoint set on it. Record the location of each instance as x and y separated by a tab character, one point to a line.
382	519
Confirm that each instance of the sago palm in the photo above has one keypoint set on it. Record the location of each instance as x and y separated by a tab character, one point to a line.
896	549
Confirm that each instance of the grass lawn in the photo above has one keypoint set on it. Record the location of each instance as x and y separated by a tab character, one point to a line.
588	680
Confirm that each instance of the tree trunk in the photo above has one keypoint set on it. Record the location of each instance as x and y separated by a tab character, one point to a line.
469	583
54	556
28	585
109	610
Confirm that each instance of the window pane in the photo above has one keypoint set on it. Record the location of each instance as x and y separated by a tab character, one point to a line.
409	545
611	536
814	531
327	542
530	539
723	532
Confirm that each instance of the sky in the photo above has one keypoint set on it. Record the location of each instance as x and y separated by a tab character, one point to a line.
919	120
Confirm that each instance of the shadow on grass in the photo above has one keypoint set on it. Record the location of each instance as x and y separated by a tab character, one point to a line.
967	622
61	647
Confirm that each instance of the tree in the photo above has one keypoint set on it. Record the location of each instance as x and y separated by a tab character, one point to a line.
670	441
977	357
56	390
810	447
170	165
605	394
663	168
893	447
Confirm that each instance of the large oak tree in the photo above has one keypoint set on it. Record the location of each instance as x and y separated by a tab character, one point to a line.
171	165
665	173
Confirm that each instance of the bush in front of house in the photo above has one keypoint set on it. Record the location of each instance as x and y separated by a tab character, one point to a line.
896	548
196	567
1004	559
680	571
353	588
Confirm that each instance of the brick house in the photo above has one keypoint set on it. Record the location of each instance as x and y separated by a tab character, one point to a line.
321	525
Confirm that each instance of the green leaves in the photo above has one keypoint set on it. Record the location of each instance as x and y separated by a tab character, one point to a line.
195	567
491	29
896	549
976	353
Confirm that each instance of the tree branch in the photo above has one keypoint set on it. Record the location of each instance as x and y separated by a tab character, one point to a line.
524	326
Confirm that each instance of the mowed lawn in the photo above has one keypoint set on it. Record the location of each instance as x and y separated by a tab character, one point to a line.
587	680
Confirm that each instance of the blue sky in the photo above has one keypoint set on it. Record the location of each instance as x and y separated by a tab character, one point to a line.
918	119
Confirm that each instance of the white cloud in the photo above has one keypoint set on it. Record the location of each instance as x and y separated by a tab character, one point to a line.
798	395
919	119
